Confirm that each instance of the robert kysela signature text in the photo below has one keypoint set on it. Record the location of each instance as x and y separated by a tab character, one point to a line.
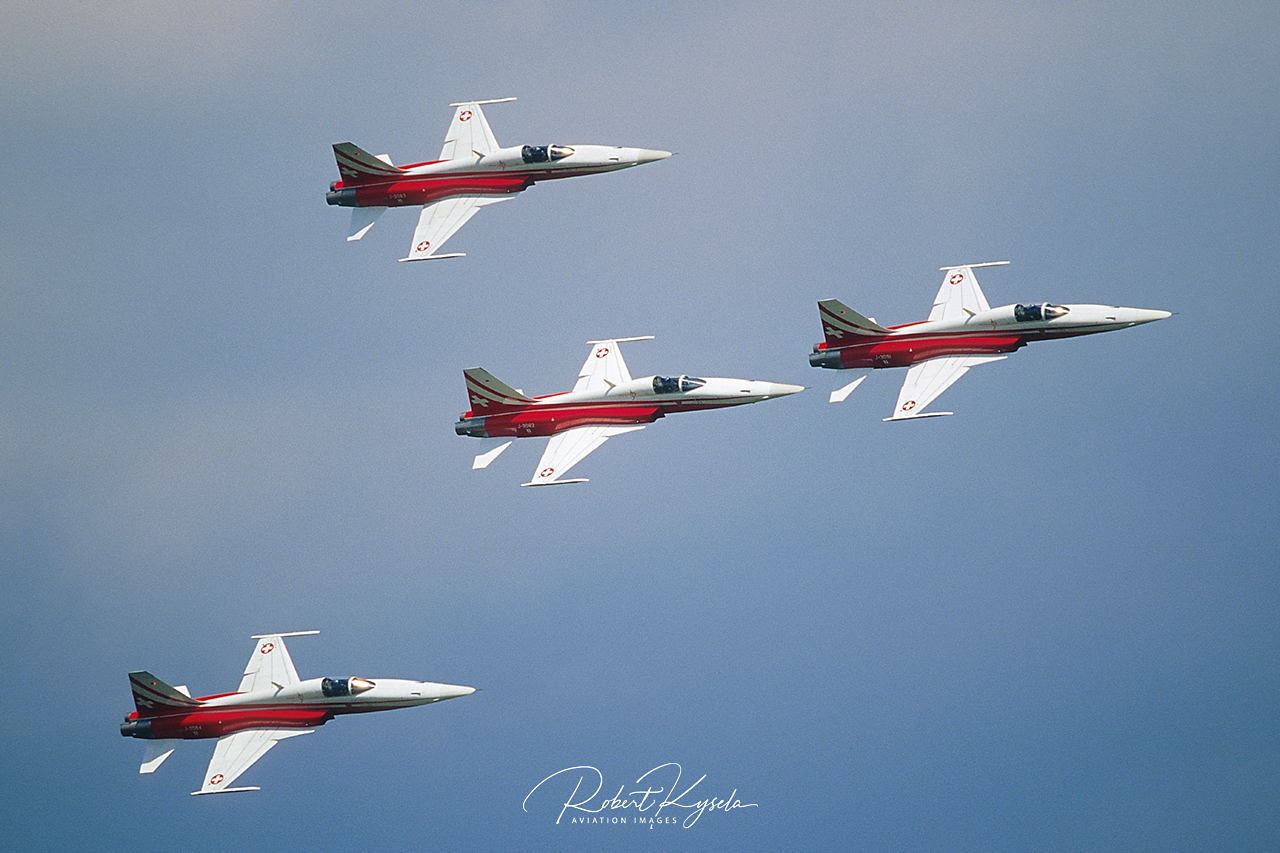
654	791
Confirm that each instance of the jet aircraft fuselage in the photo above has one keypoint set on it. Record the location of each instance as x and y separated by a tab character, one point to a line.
638	401
471	172
503	172
962	331
604	402
304	705
995	331
271	704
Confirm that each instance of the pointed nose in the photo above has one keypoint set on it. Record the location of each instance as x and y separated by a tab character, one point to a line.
648	155
782	389
453	691
1149	315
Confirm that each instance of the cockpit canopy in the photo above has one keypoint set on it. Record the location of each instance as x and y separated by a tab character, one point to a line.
1043	311
332	687
676	384
544	153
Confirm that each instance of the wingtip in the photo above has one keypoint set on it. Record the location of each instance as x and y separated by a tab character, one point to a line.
918	417
436	257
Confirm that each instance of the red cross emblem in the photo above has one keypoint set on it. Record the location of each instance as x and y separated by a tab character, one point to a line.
909	405
266	648
546	472
424	245
465	115
956	278
216	779
602	352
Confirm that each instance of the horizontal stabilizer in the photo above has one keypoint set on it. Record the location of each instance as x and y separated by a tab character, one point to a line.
154	752
482	460
842	394
362	219
225	791
558	482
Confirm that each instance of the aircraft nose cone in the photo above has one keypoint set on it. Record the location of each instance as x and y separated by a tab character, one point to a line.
648	155
1149	315
453	691
782	389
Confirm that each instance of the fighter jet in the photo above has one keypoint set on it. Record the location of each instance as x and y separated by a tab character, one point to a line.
605	402
962	332
472	171
270	705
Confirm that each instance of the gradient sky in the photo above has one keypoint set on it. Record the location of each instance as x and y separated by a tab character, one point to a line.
1046	623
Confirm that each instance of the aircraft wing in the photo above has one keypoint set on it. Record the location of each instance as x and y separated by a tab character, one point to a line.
441	219
926	380
960	298
469	135
269	664
236	753
604	367
568	448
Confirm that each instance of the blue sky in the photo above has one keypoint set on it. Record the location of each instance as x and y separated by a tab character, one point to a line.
1049	622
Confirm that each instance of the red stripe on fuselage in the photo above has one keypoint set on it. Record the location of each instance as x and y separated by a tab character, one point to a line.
903	352
415	192
550	419
407	190
218	722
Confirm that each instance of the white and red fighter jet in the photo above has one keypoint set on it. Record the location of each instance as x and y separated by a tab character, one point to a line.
605	402
962	331
472	171
270	705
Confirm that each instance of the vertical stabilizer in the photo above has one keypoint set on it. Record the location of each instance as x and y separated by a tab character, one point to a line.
841	325
153	697
489	394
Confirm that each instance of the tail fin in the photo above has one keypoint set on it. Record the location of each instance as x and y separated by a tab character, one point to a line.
359	166
489	394
153	697
841	325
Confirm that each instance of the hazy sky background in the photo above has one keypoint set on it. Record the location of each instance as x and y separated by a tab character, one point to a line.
1047	623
